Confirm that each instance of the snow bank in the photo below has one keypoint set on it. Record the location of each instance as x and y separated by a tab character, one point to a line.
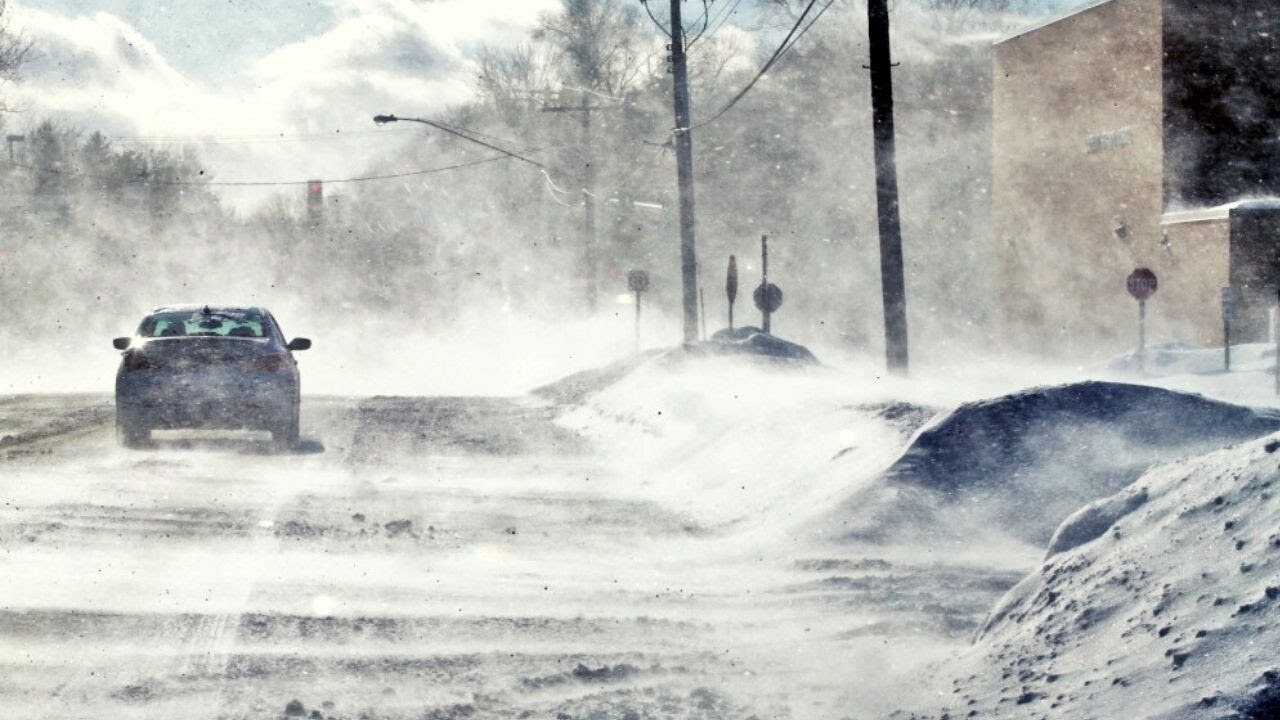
1023	462
1173	611
736	439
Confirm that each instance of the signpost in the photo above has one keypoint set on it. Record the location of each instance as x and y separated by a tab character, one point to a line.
1142	285
767	297
702	302
1228	312
638	281
731	286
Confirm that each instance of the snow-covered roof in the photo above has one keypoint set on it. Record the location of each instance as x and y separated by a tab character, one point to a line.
1218	212
1050	20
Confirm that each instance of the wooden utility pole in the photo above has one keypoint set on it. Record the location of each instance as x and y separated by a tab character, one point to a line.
588	198
892	281
684	175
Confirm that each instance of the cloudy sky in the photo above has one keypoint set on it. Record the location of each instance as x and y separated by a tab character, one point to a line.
268	90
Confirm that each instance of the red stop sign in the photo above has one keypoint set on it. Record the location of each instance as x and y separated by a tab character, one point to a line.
1141	283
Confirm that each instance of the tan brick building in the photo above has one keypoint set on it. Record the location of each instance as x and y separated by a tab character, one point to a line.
1122	134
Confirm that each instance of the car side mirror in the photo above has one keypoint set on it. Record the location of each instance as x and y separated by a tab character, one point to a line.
121	343
299	344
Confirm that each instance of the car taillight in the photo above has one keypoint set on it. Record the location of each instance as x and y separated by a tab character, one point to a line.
138	361
268	363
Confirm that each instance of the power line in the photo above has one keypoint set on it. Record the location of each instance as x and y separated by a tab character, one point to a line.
234	139
787	43
706	17
654	18
253	183
724	16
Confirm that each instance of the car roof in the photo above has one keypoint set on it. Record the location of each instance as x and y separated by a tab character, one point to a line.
212	308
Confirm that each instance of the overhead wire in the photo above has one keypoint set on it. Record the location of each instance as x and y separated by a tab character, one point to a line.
233	139
787	43
706	16
253	183
724	15
654	18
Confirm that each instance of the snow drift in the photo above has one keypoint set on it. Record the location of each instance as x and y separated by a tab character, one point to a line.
1021	463
1172	611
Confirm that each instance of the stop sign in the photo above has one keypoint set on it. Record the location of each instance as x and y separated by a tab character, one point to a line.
1141	283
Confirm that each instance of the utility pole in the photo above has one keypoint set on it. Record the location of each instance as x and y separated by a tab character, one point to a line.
892	282
588	197
684	175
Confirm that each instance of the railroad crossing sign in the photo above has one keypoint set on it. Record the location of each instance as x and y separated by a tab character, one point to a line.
1141	284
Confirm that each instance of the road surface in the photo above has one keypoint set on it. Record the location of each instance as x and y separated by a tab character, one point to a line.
424	558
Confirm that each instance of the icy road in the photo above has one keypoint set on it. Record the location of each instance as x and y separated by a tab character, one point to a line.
706	542
440	558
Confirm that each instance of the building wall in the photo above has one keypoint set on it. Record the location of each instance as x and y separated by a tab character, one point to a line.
1077	189
1187	306
1222	101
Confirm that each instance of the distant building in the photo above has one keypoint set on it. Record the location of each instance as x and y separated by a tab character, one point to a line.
1127	134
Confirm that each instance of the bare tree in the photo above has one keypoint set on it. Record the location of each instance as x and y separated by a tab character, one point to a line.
14	49
598	43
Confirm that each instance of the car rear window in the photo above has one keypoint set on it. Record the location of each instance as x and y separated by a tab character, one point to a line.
217	323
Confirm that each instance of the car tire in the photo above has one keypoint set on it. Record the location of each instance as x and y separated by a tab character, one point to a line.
132	433
286	435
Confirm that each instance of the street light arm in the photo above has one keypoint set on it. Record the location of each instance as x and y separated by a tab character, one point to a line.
384	119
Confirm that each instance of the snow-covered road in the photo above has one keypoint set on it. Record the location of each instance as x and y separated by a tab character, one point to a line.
673	537
424	558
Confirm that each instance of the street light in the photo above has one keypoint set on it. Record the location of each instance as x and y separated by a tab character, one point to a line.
384	119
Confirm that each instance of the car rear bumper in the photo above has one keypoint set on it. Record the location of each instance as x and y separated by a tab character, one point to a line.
232	401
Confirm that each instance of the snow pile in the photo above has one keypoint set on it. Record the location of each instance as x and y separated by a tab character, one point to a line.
737	439
1161	602
1251	380
750	340
1019	464
747	343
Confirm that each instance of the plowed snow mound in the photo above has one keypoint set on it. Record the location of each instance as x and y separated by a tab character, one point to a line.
748	344
1021	463
1172	611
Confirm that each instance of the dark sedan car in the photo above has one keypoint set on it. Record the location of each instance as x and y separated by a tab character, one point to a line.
208	367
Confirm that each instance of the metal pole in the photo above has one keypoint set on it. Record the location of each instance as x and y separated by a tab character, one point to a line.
637	321
684	175
589	206
1226	344
764	279
1142	336
893	284
702	298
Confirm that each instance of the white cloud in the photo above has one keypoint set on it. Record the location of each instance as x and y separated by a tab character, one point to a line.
97	72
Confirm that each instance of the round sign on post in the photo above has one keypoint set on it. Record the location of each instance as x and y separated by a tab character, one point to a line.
767	303
1141	284
638	280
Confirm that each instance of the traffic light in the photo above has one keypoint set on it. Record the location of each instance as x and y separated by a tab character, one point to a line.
315	200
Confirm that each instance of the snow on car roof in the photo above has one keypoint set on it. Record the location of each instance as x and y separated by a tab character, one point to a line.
220	309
